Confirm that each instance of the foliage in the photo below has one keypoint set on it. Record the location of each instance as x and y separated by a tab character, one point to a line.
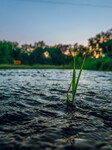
36	56
57	57
101	43
98	64
4	53
98	47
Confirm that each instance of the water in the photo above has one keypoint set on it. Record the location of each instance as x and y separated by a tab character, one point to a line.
34	113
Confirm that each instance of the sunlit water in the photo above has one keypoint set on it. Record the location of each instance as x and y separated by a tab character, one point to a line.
34	113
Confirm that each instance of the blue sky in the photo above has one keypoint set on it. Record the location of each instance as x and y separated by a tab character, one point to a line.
29	21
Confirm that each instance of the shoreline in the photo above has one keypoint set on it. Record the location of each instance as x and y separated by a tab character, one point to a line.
8	67
34	67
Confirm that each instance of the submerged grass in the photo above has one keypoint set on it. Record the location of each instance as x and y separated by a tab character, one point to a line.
75	82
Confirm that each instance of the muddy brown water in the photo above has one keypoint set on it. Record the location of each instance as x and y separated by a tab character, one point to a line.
34	114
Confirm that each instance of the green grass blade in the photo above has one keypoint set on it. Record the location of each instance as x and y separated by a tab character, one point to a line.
79	77
68	100
73	79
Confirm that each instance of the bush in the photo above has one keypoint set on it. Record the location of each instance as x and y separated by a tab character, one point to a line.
107	65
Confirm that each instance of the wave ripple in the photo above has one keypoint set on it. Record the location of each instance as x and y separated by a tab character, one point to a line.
34	114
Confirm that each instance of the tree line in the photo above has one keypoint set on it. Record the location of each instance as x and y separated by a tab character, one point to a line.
40	53
30	55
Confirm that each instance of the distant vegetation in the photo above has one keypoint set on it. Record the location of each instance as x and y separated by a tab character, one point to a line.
99	53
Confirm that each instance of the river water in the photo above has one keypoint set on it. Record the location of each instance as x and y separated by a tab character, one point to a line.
34	114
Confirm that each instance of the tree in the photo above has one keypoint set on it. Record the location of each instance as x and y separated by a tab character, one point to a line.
56	55
36	56
4	53
107	47
39	44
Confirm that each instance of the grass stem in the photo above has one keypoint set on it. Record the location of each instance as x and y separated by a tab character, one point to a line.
75	82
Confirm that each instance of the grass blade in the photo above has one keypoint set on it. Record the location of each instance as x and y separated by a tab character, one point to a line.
73	79
68	92
78	77
68	100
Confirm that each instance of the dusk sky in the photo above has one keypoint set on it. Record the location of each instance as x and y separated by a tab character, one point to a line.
54	21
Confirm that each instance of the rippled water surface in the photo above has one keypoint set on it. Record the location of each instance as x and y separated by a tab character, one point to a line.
34	113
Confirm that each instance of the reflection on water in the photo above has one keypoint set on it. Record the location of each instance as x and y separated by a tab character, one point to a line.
34	114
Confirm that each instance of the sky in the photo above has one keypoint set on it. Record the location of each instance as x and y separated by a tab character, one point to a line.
54	21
